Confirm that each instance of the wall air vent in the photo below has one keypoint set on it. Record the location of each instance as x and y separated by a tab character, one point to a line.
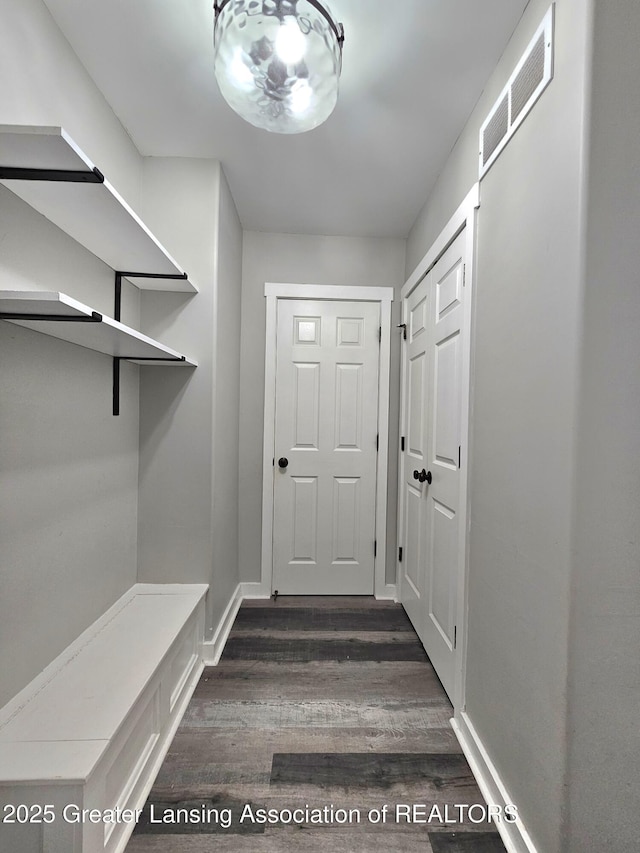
496	129
530	78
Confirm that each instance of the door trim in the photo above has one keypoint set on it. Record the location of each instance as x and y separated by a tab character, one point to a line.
384	295
464	217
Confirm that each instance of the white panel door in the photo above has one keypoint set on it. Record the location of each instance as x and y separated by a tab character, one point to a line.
442	496
326	426
431	503
416	419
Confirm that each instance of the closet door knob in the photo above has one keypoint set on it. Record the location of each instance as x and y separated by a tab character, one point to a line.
283	462
423	476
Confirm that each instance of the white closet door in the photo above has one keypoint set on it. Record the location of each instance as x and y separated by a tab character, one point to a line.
325	447
416	420
433	404
442	496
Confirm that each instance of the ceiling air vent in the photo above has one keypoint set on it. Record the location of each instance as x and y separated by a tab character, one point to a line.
530	78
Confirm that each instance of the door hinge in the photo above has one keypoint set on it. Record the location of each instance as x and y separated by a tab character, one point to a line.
402	443
400	554
464	274
274	462
377	442
459	456
380	333
375	547
455	636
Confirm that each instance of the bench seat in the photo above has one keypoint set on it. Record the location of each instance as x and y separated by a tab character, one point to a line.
92	729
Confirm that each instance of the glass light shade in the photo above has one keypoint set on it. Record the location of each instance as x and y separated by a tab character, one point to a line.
278	62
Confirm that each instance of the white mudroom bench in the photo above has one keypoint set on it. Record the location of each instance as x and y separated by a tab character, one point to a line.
85	739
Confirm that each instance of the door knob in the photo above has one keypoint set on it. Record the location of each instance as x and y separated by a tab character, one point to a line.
423	476
283	462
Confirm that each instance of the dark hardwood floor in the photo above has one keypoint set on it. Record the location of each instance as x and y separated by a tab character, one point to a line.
328	705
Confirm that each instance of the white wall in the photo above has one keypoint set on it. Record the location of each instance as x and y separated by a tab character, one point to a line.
525	341
176	406
226	432
604	684
304	260
69	543
188	419
43	82
68	468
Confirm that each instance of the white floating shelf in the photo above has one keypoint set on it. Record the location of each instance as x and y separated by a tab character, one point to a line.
94	214
85	327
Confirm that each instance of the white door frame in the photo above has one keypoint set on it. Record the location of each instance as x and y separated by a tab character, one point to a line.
383	295
464	217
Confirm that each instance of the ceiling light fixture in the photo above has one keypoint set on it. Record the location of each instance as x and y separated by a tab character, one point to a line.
278	62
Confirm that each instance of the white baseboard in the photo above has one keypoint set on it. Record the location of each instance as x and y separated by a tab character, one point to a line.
212	649
389	593
255	589
514	835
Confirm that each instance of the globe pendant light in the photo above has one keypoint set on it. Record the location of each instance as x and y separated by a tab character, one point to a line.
278	62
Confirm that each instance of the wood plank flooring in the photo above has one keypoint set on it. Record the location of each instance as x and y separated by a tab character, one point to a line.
328	706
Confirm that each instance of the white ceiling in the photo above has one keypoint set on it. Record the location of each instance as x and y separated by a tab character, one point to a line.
412	72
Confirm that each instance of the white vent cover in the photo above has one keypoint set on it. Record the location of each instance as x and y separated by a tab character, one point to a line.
530	78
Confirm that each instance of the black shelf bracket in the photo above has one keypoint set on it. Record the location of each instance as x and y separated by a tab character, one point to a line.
173	276
117	310
120	274
73	176
57	318
116	385
117	297
116	373
117	315
152	358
